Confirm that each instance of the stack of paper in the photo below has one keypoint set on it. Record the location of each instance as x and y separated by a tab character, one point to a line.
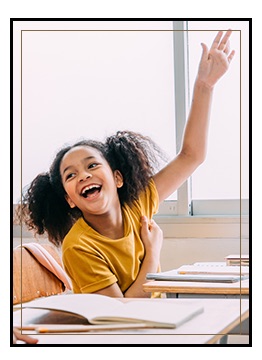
204	272
237	260
215	268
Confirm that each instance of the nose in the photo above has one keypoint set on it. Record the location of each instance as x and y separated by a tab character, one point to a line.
84	175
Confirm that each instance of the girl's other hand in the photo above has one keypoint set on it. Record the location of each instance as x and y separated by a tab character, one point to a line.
151	235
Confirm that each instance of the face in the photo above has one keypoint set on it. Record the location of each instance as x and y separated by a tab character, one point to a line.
89	181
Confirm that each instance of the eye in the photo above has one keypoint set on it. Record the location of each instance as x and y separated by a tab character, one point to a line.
93	165
70	176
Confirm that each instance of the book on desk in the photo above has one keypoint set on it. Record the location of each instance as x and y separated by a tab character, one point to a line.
213	268
102	310
237	260
203	272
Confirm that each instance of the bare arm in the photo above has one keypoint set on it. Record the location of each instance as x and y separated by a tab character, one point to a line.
213	64
152	237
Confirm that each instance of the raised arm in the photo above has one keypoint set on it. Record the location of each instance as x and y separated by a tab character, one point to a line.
213	65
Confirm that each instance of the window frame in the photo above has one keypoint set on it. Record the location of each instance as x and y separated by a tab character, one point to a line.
185	205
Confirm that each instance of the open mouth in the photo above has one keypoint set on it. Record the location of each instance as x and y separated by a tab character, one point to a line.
91	190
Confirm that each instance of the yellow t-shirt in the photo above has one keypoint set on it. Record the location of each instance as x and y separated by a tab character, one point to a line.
94	261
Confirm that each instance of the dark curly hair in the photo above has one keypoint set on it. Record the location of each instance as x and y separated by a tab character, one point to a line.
44	207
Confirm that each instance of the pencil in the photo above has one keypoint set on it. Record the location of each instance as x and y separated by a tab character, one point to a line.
86	328
26	328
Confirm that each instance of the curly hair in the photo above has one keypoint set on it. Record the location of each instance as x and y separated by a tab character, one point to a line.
44	208
136	157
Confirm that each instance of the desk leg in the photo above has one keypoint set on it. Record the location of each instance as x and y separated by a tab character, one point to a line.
172	295
223	340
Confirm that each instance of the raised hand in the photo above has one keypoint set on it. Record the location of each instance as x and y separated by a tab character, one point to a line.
215	62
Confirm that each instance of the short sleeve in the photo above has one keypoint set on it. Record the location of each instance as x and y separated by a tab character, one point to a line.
149	200
89	272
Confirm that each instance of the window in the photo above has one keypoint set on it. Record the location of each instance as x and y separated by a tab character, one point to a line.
76	79
224	176
89	79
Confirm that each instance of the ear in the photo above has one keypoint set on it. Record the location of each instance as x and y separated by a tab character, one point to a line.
70	202
118	179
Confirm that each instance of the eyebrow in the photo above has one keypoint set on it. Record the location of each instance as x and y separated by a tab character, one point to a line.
86	158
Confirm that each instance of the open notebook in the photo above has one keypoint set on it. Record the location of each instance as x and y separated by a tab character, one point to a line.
100	309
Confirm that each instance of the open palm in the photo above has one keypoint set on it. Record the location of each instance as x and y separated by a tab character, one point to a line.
215	62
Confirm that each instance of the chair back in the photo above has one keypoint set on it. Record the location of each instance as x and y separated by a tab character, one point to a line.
37	272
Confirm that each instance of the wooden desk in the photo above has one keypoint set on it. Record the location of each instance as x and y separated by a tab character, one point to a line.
220	316
194	289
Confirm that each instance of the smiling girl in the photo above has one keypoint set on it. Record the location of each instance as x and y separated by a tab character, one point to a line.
98	199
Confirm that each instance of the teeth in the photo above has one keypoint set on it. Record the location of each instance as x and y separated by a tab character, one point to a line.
87	188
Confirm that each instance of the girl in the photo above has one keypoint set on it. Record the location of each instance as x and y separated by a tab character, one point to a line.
98	199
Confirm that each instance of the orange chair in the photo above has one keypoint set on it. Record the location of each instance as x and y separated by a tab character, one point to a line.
37	272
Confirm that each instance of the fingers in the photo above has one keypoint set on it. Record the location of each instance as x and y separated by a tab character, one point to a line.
222	45
216	41
146	224
26	338
230	57
204	52
144	220
227	48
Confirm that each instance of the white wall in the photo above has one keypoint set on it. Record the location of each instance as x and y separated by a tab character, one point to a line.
87	83
177	252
